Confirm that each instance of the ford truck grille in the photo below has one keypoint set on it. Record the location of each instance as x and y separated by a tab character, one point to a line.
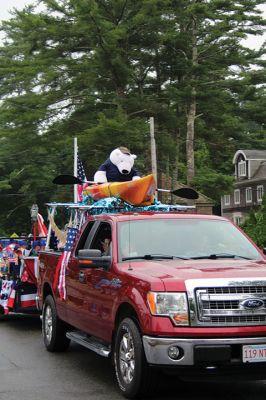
227	303
237	289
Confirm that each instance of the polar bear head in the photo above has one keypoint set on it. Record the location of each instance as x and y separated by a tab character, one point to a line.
122	159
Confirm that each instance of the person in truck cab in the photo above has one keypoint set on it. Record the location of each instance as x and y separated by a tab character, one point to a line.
106	243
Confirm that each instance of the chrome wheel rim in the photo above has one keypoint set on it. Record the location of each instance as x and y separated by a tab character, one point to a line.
127	358
48	323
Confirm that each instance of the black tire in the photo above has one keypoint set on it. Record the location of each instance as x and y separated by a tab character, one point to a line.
53	329
134	376
2	313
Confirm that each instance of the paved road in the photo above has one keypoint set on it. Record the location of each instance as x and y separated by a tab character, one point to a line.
29	372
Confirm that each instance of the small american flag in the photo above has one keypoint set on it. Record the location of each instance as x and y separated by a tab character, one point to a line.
42	230
60	274
82	177
5	293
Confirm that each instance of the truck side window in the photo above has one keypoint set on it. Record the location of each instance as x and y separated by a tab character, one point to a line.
102	238
85	237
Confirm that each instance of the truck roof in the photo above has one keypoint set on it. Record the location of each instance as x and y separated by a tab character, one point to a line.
129	216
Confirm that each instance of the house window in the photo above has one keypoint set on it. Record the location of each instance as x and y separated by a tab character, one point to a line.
248	195
260	192
227	199
237	196
242	168
237	220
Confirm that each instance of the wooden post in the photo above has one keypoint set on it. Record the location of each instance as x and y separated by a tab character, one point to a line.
153	150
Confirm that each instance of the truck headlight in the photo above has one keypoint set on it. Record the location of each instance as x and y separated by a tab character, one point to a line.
173	305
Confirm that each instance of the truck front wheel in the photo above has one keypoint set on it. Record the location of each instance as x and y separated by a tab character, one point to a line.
53	329
133	374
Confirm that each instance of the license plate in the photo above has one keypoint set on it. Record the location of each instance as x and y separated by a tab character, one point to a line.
254	353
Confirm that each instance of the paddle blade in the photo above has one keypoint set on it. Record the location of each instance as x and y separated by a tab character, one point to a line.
186	193
67	180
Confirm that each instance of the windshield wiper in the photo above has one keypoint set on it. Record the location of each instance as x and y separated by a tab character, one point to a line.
154	257
220	255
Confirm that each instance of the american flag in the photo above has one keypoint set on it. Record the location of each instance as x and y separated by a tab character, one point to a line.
82	177
5	293
42	230
60	274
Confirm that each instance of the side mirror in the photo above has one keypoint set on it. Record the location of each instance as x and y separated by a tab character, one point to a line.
92	258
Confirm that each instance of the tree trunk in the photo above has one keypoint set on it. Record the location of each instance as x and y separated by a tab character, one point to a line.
190	138
191	112
175	167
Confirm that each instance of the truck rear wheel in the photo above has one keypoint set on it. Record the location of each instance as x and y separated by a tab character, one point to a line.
133	374
53	329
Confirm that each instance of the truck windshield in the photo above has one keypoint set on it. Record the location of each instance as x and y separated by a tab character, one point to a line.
183	238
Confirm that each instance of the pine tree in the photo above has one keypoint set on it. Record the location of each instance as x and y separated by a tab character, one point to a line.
97	70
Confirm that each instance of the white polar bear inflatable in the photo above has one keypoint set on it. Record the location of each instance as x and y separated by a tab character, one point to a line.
118	167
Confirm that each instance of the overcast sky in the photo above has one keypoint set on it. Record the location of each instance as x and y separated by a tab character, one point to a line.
7	5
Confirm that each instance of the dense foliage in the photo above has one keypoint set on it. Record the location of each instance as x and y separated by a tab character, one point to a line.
255	225
99	69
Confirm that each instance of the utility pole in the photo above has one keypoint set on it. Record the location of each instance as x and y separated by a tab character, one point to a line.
153	150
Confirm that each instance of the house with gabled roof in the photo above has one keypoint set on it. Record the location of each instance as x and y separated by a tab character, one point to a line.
249	185
203	205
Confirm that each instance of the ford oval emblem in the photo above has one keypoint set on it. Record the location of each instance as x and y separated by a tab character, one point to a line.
252	303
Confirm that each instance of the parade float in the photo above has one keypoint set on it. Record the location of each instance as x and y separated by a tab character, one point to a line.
116	187
19	269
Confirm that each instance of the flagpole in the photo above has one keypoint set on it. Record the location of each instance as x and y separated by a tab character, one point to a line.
75	168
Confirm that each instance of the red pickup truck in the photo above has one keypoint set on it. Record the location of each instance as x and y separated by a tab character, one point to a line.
178	292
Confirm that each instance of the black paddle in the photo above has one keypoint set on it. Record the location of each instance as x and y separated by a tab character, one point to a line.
69	180
186	193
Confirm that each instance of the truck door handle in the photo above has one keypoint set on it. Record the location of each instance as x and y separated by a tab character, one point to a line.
82	277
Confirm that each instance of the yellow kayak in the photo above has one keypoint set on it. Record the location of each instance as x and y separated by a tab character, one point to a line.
137	192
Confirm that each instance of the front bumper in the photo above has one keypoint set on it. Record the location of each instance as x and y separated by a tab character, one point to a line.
196	352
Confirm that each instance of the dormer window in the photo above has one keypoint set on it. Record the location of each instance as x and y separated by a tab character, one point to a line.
242	168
